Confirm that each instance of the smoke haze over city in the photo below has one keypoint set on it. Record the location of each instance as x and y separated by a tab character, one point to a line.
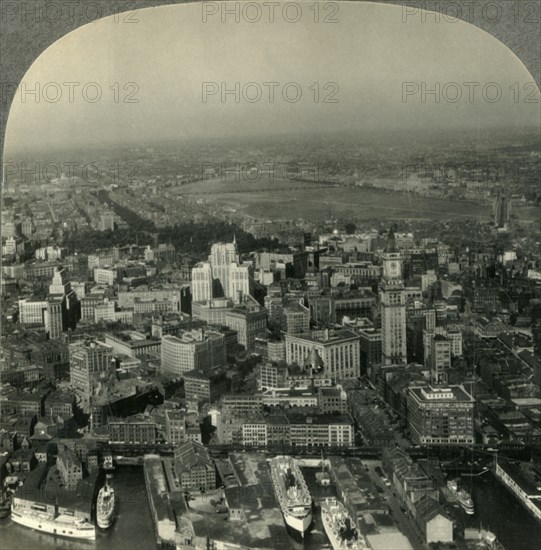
162	78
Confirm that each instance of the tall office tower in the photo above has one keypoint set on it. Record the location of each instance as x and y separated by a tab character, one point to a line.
61	286
222	275
239	282
440	359
53	317
202	283
48	312
222	255
88	359
393	306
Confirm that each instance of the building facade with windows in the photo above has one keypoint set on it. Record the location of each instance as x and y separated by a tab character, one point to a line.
133	431
196	349
393	307
88	359
441	415
339	350
194	467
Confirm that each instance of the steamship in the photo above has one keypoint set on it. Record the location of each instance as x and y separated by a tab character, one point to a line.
292	493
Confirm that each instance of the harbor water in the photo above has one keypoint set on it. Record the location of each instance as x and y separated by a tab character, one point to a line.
132	529
496	509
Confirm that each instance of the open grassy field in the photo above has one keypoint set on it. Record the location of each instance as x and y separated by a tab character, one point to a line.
282	199
526	214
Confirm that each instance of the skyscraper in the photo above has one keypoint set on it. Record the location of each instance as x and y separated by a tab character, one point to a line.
221	257
60	285
440	359
60	288
239	282
222	276
223	254
202	283
87	360
53	317
393	306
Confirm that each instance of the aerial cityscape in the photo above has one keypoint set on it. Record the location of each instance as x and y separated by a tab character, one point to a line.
310	338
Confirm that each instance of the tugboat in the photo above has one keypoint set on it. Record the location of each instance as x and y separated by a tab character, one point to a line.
339	526
105	507
323	479
465	500
454	494
292	493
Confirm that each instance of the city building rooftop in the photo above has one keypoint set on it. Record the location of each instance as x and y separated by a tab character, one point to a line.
431	394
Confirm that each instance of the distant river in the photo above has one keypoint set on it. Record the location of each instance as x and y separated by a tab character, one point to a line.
496	509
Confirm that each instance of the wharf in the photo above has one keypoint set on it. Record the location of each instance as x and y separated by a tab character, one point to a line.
253	519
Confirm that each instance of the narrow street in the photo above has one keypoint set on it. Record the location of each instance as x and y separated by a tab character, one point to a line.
403	520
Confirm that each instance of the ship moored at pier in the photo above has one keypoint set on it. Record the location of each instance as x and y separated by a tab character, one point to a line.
292	493
42	505
339	527
105	507
39	518
461	495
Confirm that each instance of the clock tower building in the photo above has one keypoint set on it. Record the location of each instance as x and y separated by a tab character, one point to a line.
393	306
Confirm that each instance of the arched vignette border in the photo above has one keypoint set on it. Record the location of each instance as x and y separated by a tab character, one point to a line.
21	42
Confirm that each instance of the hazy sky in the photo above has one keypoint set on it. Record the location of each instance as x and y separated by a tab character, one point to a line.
370	53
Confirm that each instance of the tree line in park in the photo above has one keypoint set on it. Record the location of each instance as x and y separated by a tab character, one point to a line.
189	238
